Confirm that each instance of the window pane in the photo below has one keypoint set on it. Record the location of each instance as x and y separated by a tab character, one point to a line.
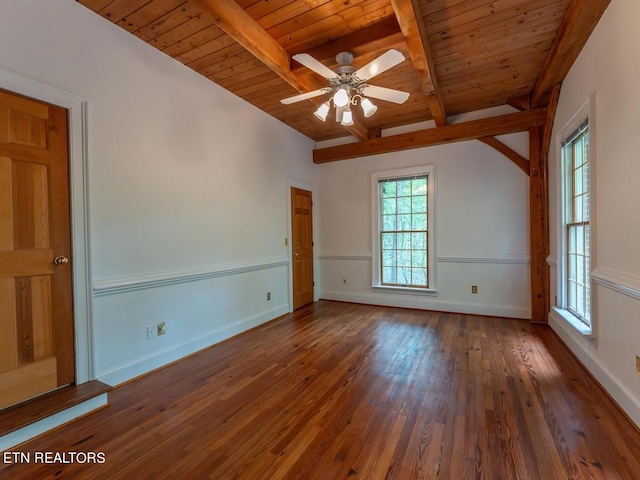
579	229
419	205
404	188
419	241
419	258
572	267
404	241
403	275
572	293
419	221
587	239
572	239
388	275
388	206
389	222
404	222
419	277
577	179
388	189
585	207
388	241
419	186
404	205
577	151
585	177
404	258
388	258
577	209
579	269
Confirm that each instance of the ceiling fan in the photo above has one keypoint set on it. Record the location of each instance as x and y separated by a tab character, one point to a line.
347	85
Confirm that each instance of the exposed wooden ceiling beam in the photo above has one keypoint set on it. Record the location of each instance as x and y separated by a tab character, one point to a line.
412	26
577	24
238	24
377	37
515	157
551	116
521	103
501	125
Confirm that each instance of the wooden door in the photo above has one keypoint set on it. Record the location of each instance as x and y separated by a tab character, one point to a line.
302	247
36	317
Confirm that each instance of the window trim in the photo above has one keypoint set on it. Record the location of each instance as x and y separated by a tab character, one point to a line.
376	177
585	113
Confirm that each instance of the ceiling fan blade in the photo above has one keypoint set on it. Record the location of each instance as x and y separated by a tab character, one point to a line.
384	62
305	96
382	93
313	64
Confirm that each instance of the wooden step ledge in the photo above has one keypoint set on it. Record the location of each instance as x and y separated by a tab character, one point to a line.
31	411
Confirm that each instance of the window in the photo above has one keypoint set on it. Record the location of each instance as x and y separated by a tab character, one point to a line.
576	249
575	153
403	257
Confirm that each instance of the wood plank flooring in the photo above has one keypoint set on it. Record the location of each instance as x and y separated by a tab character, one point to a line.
340	390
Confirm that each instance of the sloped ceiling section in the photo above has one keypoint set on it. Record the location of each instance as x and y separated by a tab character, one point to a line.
461	55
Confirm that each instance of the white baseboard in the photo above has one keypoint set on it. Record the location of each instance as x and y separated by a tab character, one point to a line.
38	428
427	303
126	372
626	399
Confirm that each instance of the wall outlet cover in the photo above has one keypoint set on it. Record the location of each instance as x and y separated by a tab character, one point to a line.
151	332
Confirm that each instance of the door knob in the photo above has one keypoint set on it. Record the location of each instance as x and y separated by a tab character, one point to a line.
60	260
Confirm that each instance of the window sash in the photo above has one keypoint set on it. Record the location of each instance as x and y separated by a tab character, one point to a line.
578	271
410	264
577	153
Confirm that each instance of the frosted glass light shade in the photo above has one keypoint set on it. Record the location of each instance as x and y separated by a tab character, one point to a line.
347	119
368	108
322	111
341	97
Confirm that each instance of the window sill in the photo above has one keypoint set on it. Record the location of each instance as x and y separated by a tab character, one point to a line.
573	321
404	290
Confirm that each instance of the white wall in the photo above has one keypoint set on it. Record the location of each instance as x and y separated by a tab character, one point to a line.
609	67
187	187
482	229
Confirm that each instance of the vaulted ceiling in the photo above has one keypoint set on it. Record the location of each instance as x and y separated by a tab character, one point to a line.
461	55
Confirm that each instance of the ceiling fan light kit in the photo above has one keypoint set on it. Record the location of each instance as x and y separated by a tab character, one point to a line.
347	85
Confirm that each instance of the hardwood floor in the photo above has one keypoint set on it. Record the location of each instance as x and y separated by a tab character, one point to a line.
353	391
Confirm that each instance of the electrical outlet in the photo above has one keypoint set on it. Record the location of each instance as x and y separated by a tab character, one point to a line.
638	364
151	332
474	289
344	281
268	295
161	328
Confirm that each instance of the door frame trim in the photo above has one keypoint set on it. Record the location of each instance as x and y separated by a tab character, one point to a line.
292	182
78	182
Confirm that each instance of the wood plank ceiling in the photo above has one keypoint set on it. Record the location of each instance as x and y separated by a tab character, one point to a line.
461	55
